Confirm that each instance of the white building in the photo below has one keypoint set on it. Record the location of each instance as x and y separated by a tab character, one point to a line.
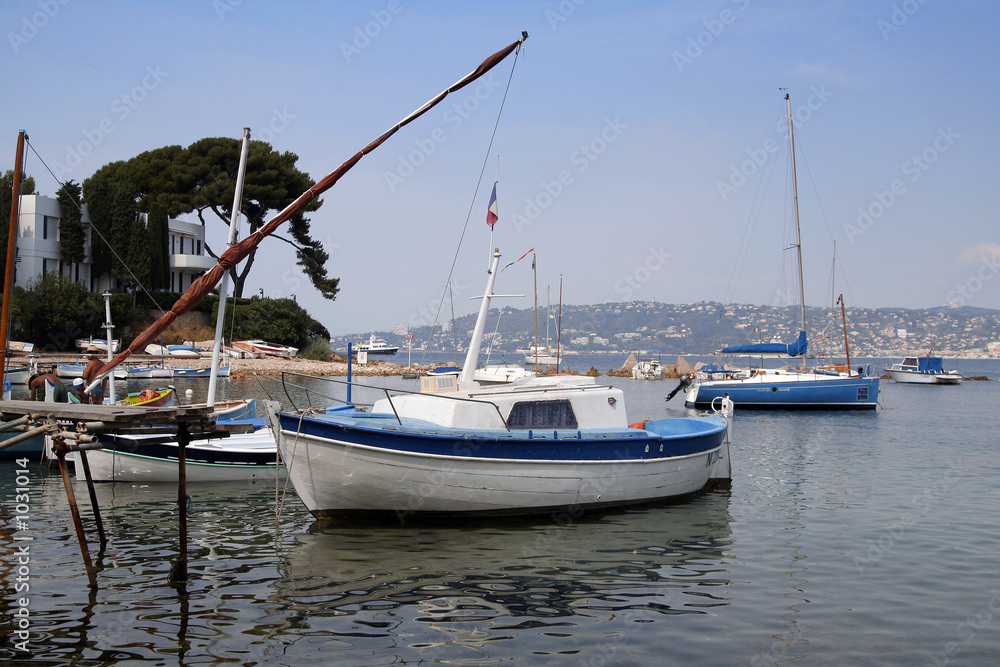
38	249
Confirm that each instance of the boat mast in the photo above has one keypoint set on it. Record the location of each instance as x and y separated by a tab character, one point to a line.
109	339
559	328
535	272
795	200
472	356
234	219
8	284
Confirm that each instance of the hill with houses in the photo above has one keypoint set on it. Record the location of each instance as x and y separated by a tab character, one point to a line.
700	328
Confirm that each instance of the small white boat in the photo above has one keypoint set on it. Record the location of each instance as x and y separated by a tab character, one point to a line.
269	349
239	457
148	372
153	458
69	371
923	370
376	346
647	369
179	351
540	355
183	372
100	343
500	373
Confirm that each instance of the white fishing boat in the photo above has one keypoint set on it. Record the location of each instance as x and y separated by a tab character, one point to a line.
923	370
534	445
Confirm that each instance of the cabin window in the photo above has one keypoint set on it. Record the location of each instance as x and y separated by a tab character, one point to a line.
542	414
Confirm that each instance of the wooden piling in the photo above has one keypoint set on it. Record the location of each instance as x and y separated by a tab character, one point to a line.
60	449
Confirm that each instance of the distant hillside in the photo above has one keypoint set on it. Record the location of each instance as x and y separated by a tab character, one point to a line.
700	328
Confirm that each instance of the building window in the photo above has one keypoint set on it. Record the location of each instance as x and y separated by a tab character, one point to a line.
198	251
45	267
172	240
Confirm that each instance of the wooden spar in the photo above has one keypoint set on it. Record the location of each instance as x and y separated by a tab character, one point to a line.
847	348
201	287
8	283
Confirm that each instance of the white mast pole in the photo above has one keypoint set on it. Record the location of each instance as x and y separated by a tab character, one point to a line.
472	356
108	337
795	199
213	379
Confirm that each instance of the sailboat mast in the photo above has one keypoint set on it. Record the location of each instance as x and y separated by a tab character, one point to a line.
559	328
535	272
795	202
8	284
472	356
213	378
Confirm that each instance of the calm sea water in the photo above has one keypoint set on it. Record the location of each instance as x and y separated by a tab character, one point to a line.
845	539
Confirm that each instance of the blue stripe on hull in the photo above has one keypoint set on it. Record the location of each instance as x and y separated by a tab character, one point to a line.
612	445
846	394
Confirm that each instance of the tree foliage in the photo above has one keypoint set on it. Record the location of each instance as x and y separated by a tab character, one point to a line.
54	311
6	199
202	178
159	252
72	237
280	321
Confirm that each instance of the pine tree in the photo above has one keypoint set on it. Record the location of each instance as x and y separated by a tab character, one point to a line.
123	217
71	234
159	251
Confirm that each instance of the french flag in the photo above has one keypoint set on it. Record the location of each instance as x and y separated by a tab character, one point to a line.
491	213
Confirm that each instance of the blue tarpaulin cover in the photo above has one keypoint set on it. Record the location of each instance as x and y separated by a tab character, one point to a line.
796	349
930	365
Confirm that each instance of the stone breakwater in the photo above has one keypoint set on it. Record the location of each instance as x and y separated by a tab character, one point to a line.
275	366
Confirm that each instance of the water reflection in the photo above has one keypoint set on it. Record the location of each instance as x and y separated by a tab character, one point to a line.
470	586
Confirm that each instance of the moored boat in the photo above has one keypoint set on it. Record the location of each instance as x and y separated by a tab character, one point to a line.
647	369
184	372
526	447
262	347
148	372
376	346
152	398
789	388
923	370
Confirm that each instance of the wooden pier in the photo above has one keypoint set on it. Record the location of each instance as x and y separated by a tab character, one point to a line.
76	427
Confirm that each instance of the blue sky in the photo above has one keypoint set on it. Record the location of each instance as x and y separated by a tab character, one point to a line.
641	150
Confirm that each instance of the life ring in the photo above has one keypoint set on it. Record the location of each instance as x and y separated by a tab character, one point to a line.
639	425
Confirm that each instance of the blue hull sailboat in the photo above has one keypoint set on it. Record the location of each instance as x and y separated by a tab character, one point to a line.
834	387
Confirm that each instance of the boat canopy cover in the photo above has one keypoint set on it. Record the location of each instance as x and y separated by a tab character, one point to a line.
798	348
931	365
